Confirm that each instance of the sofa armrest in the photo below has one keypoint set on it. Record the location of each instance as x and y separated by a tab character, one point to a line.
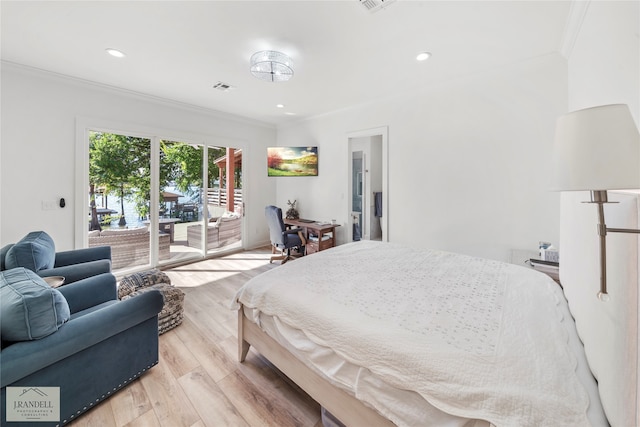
3	255
78	256
90	292
75	272
23	358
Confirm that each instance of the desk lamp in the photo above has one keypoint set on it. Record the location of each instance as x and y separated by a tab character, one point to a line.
598	149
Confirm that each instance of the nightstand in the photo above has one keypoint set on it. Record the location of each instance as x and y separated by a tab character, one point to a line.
550	268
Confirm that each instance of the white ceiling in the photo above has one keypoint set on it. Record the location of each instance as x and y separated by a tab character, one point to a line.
344	55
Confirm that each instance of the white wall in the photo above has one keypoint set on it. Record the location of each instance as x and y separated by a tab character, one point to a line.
468	160
604	65
604	68
39	112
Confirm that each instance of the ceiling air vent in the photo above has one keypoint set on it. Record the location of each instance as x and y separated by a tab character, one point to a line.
223	87
375	5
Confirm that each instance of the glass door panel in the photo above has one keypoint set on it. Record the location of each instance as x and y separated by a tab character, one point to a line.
181	204
224	199
119	182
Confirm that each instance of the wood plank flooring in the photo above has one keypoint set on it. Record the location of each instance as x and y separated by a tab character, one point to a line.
198	381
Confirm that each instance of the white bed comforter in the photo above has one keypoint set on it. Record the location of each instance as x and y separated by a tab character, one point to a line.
476	338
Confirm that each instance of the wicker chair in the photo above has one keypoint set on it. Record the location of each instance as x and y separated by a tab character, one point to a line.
129	246
221	231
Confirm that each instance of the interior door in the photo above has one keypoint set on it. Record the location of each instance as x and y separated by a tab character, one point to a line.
358	201
366	190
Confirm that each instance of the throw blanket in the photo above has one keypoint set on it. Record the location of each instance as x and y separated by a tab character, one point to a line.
476	338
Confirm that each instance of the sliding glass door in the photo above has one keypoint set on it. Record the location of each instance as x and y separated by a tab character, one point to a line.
196	211
119	168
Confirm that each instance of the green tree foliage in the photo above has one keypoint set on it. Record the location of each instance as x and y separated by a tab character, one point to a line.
121	165
214	170
118	163
184	165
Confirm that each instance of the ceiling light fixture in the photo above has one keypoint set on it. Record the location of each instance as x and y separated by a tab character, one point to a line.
115	52
423	56
279	105
271	66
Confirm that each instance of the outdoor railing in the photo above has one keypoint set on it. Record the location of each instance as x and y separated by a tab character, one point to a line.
218	197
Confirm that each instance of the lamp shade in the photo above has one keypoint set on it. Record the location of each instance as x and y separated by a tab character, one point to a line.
597	149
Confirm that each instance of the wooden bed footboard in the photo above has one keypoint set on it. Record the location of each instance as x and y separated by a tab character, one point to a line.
349	410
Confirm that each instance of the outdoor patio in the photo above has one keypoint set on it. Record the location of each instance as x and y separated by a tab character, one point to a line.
130	246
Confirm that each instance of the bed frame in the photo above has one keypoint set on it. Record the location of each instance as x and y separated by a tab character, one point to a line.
349	410
609	331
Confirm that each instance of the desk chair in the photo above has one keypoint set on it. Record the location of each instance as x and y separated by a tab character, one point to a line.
283	238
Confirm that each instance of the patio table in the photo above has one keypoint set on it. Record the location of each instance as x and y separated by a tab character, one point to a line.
166	225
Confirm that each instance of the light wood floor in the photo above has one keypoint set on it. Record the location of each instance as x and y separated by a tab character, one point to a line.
198	381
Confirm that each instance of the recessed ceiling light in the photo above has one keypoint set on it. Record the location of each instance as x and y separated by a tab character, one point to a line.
280	105
423	56
288	113
115	52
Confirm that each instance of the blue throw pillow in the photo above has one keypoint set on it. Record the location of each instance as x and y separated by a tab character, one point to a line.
3	255
36	251
29	308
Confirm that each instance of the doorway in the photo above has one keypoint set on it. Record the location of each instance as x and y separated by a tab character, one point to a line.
194	211
368	185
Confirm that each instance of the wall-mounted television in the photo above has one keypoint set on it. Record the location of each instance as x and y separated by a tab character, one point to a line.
292	161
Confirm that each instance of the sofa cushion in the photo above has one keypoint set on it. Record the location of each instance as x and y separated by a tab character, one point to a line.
29	308
123	231
227	215
36	251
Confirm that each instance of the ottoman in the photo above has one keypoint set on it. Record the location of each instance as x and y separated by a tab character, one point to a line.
144	281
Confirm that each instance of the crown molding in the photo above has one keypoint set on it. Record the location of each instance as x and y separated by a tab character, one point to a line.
574	24
7	65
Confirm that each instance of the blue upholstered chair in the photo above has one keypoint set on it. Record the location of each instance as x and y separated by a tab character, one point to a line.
36	252
78	337
282	238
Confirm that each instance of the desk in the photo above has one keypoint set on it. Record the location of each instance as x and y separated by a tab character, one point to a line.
317	229
166	225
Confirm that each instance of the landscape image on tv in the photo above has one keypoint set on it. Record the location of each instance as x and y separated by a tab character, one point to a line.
292	161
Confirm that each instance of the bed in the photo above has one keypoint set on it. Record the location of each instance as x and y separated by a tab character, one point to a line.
382	334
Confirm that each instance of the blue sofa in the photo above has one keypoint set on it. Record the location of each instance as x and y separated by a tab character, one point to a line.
36	251
78	337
